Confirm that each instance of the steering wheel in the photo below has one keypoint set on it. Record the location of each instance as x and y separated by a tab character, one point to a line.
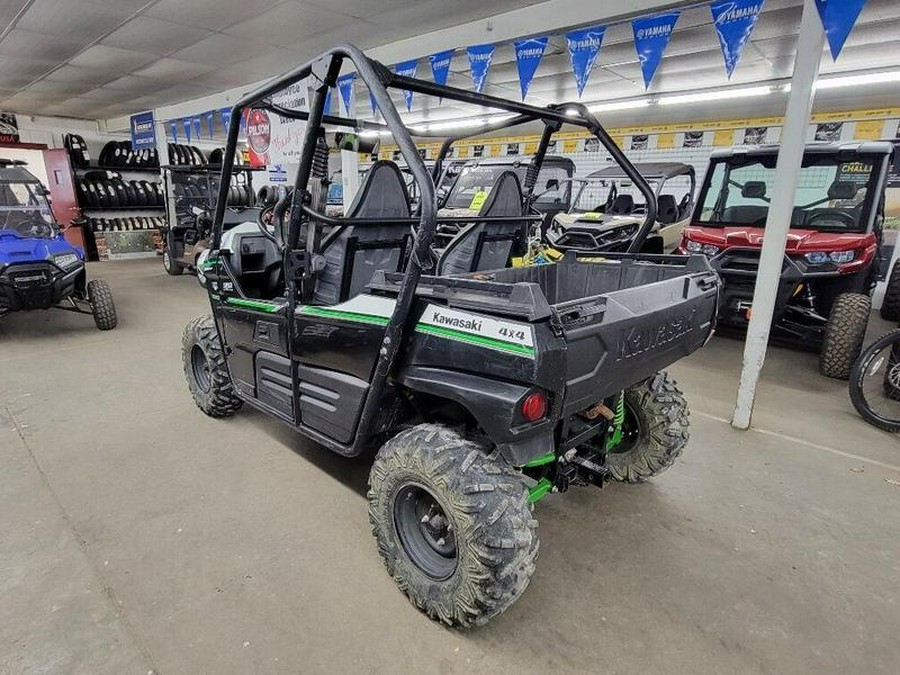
832	214
265	224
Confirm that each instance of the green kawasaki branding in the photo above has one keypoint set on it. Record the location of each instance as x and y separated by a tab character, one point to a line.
483	331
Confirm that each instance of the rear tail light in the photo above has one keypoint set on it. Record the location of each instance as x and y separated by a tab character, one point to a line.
534	406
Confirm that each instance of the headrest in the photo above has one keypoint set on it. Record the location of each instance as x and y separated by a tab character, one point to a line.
623	204
666	209
842	189
505	198
754	189
382	195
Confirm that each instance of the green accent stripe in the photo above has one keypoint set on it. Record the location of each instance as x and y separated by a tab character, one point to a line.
342	315
261	305
540	461
542	488
480	340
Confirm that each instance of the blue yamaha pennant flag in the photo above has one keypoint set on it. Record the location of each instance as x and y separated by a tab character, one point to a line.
243	121
373	103
196	124
528	57
440	66
328	101
407	69
838	17
226	118
173	127
209	122
480	63
651	35
584	47
187	128
734	21
345	86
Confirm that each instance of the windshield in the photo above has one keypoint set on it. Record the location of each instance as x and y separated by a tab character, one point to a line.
475	182
831	193
597	195
24	210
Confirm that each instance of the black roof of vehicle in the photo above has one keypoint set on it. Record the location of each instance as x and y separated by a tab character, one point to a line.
516	160
647	170
825	148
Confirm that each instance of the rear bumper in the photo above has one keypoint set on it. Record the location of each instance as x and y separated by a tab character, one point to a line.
26	286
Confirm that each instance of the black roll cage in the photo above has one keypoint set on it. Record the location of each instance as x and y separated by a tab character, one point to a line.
323	72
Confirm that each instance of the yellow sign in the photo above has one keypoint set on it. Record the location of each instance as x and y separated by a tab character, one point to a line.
478	200
570	145
723	137
869	130
531	148
665	141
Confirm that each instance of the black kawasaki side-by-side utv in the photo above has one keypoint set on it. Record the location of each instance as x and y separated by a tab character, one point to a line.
481	386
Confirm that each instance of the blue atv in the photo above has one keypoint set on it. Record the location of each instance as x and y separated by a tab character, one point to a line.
39	269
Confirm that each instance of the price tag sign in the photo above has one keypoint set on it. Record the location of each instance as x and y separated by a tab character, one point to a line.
478	200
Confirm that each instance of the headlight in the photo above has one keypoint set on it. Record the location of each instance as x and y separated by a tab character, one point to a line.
710	250
66	260
693	246
842	257
837	257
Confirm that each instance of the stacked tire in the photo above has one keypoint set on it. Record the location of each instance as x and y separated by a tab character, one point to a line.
125	223
108	190
194	191
185	155
120	154
78	151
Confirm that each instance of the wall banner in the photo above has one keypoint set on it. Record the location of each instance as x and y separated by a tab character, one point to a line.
209	121
838	18
345	86
173	128
407	69
528	57
186	122
734	21
584	47
196	126
440	66
226	118
143	130
479	63
651	36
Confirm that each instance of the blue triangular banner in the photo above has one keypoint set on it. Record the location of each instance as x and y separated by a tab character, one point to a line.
245	113
328	101
187	128
373	103
345	86
584	47
479	63
734	21
173	127
838	18
407	69
528	57
226	118
197	128
440	66
209	122
651	35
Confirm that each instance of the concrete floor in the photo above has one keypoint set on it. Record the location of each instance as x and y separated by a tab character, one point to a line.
139	536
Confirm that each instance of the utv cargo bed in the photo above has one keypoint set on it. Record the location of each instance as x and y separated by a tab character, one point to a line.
622	317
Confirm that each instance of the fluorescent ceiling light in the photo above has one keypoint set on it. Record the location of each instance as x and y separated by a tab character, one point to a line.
373	133
465	123
747	92
856	80
620	105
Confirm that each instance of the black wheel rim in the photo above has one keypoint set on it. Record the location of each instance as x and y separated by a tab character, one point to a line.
631	430
879	382
427	534
200	368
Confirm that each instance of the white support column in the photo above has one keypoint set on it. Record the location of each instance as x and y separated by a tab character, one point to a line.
349	175
810	43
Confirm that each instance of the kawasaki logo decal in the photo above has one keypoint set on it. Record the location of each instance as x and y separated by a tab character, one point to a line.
483	331
640	340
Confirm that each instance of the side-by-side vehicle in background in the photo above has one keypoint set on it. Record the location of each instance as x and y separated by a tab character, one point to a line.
39	269
834	248
478	386
607	209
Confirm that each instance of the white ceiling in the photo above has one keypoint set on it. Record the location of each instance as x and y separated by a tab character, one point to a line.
103	59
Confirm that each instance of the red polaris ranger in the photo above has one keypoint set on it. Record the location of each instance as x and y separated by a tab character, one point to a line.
833	253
